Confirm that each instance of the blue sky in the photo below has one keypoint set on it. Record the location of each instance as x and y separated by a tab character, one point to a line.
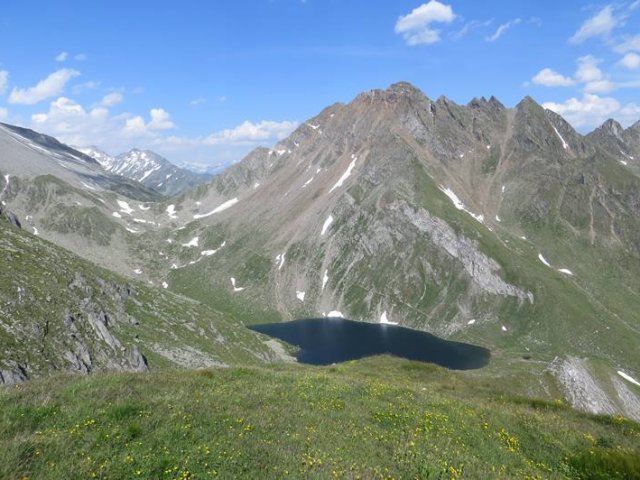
204	82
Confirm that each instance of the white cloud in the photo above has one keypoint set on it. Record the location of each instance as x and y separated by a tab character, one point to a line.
4	81
629	45
600	25
4	114
111	99
588	70
415	27
62	56
592	110
81	57
197	101
49	87
83	87
248	132
550	78
137	127
503	28
630	61
469	27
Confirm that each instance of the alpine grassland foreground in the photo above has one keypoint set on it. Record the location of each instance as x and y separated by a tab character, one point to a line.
381	417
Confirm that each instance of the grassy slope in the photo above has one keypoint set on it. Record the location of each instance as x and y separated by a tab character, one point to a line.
35	296
377	418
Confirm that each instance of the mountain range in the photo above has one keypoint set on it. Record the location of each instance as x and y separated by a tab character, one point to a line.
503	227
148	168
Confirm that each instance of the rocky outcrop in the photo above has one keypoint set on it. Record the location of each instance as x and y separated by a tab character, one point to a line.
482	269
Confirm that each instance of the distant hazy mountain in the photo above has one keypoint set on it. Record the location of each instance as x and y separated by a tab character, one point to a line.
148	168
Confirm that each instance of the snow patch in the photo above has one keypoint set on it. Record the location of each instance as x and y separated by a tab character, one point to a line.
498	219
458	203
300	295
280	260
315	127
124	207
346	174
566	271
233	284
335	314
256	185
503	188
471	322
628	378
165	285
86	185
137	271
385	320
131	230
565	145
543	260
143	207
192	243
326	225
35	231
218	209
116	214
208	253
171	211
308	182
503	328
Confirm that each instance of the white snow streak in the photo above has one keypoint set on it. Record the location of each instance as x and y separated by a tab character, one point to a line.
325	279
233	284
116	214
628	378
208	253
385	320
35	231
565	145
543	260
459	205
218	209
346	174
86	185
171	211
471	322
143	207
124	207
308	182
566	271
192	243
280	259
327	224
498	219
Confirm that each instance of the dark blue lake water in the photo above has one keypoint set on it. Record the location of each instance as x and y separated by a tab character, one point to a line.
323	341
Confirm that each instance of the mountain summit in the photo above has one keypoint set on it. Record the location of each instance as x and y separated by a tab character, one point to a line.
148	168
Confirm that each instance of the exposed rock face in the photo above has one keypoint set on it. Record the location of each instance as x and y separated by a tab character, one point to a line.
9	217
482	269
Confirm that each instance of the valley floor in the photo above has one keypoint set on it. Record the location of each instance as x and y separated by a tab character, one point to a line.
380	417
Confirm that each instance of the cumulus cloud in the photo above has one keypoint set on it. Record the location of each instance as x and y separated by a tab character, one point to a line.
51	86
600	25
416	27
502	29
62	56
588	70
630	61
138	127
81	57
549	78
112	99
592	110
248	132
4	81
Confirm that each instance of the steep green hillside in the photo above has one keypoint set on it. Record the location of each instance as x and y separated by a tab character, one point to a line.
378	418
61	313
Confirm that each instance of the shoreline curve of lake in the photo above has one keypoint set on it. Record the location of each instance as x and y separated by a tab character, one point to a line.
323	341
